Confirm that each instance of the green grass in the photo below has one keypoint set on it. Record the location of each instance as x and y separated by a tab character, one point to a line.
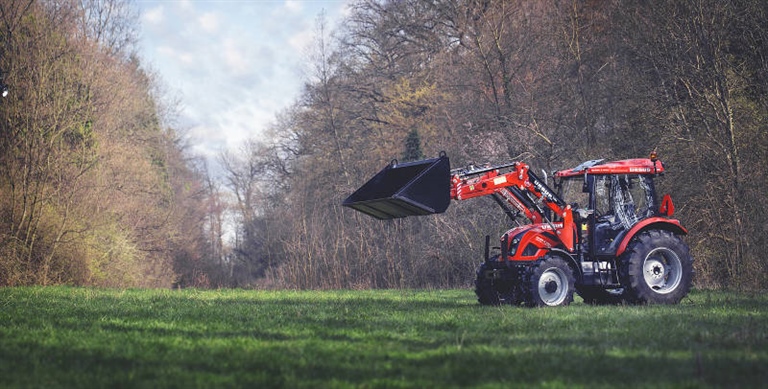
79	337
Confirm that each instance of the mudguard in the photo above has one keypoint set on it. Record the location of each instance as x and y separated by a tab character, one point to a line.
660	223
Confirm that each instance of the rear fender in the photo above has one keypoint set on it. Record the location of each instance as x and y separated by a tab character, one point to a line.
655	223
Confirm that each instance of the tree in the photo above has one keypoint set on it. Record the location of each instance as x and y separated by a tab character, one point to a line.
552	84
92	185
708	76
413	147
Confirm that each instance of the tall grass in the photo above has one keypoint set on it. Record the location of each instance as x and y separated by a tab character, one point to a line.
75	337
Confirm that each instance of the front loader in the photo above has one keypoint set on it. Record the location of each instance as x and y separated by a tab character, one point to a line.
620	245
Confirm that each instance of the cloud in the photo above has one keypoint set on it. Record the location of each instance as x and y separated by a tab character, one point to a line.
301	40
209	22
153	15
293	6
234	64
235	57
176	55
185	4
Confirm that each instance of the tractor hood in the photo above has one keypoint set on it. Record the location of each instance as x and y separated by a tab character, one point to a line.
529	242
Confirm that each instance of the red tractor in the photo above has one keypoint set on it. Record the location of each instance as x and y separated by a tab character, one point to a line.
620	244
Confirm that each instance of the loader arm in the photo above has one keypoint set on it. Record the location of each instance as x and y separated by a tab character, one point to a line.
519	188
427	186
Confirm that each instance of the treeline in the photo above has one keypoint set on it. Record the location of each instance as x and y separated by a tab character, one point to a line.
95	187
549	83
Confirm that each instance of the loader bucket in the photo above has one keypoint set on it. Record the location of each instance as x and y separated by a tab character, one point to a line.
407	189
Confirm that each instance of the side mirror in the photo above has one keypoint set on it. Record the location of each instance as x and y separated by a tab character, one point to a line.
667	208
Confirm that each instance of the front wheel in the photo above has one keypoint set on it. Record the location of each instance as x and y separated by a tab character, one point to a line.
657	268
486	292
551	283
494	291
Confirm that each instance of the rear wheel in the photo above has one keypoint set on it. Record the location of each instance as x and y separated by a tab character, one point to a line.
550	283
657	268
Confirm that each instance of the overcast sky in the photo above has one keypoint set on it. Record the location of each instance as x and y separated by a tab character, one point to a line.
233	64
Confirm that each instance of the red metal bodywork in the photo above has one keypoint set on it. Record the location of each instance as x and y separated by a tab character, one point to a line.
634	166
627	166
463	188
542	235
535	241
659	223
494	182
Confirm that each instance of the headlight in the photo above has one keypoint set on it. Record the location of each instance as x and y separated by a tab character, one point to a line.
513	245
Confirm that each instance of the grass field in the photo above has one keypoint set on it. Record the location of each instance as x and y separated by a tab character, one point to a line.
83	338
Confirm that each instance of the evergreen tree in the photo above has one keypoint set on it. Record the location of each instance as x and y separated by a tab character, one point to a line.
413	147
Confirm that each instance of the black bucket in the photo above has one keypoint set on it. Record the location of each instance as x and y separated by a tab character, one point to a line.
408	189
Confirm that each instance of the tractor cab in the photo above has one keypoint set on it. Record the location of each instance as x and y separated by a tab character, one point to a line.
610	199
614	202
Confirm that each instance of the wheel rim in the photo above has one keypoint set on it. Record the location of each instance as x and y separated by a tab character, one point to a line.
662	270
553	286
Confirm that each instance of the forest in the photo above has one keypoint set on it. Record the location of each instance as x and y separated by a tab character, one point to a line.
98	188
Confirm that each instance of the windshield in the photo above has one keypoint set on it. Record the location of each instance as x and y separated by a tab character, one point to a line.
624	199
572	192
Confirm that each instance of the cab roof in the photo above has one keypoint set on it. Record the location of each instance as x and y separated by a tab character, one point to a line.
627	166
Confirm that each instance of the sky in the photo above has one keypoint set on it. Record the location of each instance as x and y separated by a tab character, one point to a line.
231	64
